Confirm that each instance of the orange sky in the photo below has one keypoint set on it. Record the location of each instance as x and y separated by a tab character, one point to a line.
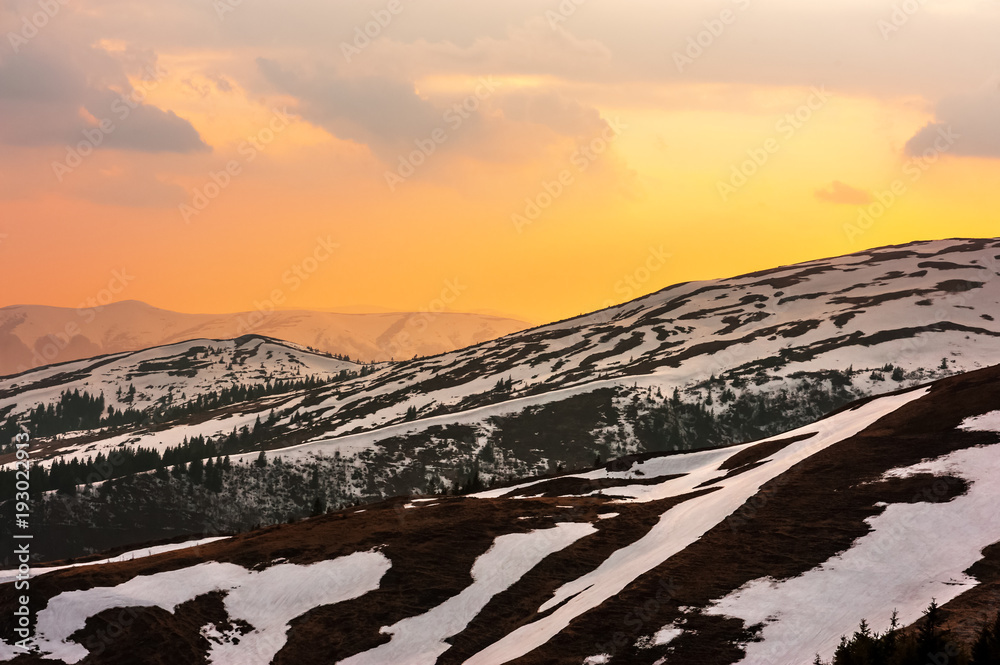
624	135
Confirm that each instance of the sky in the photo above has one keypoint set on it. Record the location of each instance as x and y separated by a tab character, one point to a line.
527	158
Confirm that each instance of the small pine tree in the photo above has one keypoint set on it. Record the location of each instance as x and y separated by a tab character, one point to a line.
196	471
929	638
890	638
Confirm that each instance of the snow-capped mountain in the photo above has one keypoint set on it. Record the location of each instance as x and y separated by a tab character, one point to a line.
170	374
33	336
759	553
693	366
918	307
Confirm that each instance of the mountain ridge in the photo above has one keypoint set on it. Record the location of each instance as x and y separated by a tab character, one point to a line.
39	335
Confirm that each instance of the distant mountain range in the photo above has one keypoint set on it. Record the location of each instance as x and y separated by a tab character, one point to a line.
33	335
758	553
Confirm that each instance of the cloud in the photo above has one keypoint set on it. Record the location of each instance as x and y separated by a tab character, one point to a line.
839	193
782	43
222	84
382	113
51	93
533	48
968	125
390	116
557	112
144	128
374	98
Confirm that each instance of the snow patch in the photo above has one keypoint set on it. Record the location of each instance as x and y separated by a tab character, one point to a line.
420	640
988	422
915	552
268	600
279	594
662	637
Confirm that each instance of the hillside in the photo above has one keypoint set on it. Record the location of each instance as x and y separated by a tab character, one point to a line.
33	336
693	366
166	374
764	552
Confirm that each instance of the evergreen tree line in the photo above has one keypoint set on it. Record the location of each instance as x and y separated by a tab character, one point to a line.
9	428
73	411
77	410
186	458
928	644
502	386
722	417
468	480
366	367
239	393
200	472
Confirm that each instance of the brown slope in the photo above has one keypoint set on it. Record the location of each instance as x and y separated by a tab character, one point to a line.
798	521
